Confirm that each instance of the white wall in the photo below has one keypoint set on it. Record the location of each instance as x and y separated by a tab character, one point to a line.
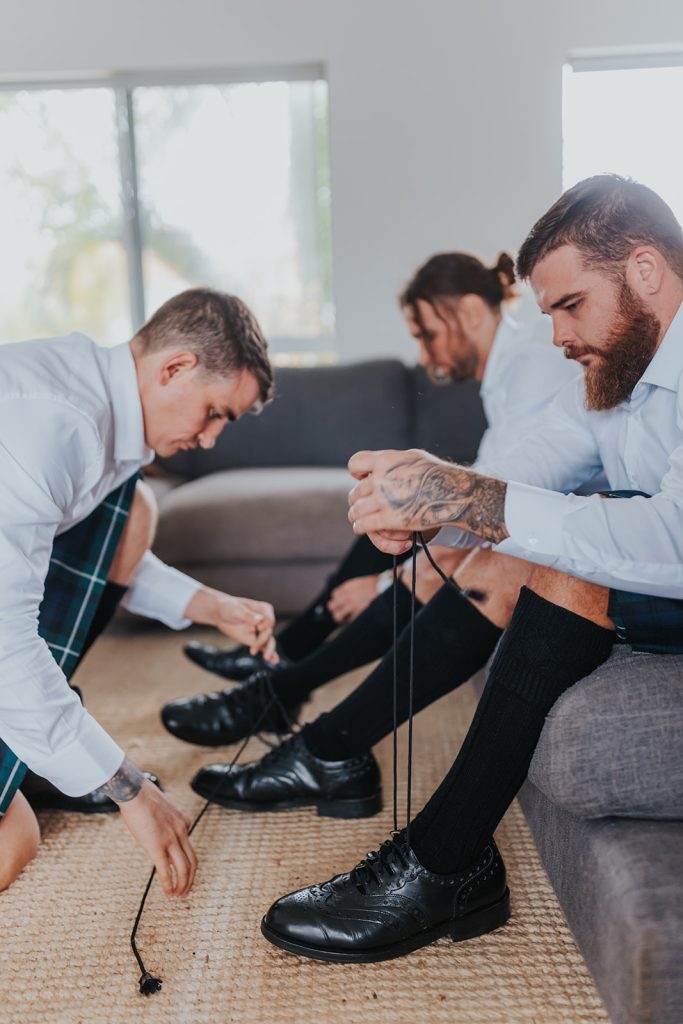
445	114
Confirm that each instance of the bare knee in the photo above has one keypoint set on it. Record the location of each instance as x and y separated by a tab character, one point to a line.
492	582
590	600
19	840
138	534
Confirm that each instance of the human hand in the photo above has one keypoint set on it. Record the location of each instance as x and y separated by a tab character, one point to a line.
352	597
162	831
249	622
241	618
398	492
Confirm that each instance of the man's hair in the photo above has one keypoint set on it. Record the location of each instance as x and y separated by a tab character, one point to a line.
219	328
605	217
449	275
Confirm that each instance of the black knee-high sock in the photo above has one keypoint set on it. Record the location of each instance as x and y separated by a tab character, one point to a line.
368	637
112	595
313	626
544	651
453	640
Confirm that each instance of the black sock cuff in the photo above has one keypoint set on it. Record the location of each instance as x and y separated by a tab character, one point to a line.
547	647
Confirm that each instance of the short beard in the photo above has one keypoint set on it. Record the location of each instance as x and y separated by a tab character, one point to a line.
441	374
631	344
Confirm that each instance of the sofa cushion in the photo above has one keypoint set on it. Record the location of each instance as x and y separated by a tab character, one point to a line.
612	743
449	420
256	515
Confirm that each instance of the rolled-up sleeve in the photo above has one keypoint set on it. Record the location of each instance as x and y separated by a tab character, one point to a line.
158	591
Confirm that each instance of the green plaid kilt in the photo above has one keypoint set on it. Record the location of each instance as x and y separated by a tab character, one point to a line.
652	624
79	566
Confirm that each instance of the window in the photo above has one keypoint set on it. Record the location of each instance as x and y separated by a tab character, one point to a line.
622	115
115	195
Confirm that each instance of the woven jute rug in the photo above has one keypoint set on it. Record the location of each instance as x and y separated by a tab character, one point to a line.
65	957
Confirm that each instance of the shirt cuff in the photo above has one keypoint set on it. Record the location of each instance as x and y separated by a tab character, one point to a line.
534	518
454	537
159	592
85	763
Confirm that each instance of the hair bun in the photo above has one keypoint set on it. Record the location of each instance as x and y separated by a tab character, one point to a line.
504	270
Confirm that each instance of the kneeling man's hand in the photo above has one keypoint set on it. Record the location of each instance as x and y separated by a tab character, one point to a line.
241	618
250	622
156	825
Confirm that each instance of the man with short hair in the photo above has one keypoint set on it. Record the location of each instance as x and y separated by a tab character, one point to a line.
606	264
77	422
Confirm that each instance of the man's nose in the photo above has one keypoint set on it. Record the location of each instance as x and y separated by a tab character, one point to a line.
562	332
208	437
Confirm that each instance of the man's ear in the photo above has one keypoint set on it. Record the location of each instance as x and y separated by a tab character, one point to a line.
176	364
645	271
471	309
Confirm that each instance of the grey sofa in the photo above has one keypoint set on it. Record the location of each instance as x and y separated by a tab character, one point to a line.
264	514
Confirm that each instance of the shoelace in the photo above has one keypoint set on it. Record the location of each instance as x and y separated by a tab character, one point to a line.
148	983
390	859
376	864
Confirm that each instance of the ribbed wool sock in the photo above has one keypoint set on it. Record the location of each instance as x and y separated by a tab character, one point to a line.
312	627
368	637
453	640
544	651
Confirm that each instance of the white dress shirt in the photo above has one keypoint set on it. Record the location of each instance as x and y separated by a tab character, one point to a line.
71	430
523	375
635	544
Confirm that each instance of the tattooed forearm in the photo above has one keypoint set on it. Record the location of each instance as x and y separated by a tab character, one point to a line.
125	785
437	494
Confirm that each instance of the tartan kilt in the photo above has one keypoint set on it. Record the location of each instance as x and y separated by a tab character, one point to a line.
79	565
652	624
647	623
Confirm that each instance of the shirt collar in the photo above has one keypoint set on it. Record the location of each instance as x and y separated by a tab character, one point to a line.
666	366
129	429
506	328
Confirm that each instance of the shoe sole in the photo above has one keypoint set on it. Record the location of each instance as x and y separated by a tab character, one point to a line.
479	922
366	807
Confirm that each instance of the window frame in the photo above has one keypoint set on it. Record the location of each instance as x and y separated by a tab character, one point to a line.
122	84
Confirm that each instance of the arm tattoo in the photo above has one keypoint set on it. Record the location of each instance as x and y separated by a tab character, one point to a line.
438	494
125	784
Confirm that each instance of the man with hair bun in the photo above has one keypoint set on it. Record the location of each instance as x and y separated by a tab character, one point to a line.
606	265
454	307
77	423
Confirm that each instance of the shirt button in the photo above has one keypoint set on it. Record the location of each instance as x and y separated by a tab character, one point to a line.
533	541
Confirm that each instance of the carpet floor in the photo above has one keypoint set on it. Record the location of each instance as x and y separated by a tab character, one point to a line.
65	957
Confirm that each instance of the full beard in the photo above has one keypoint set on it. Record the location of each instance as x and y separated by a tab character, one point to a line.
631	344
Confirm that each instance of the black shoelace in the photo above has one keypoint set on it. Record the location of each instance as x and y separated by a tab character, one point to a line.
390	854
148	983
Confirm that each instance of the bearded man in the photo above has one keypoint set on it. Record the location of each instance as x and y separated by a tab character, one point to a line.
606	264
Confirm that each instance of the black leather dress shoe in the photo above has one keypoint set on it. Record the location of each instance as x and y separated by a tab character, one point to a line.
390	905
290	776
43	796
217	719
237	664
